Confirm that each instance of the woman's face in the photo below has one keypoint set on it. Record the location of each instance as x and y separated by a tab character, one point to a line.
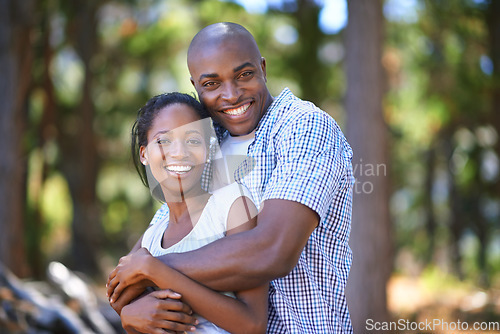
177	151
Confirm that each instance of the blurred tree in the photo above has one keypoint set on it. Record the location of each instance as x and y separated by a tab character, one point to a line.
493	25
367	133
439	109
311	73
457	43
16	21
493	22
66	128
78	142
43	132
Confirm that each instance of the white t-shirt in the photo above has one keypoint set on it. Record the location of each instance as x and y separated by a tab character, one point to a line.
211	225
233	151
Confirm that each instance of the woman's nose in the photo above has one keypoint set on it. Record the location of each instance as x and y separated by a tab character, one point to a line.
178	149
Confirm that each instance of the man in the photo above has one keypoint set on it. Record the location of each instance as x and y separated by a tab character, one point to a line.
300	177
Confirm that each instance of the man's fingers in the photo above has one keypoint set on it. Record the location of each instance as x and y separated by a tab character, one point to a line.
117	292
111	286
108	283
111	275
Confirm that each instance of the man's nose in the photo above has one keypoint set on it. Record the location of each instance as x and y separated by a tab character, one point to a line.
230	92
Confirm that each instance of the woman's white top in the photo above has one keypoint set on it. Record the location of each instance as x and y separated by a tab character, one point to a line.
212	225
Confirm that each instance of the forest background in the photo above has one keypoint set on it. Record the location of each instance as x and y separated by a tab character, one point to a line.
414	84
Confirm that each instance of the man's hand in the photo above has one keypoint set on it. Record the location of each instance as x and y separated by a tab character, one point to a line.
131	270
158	312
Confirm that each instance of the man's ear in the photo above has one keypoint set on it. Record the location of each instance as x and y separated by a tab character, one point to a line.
263	66
143	155
192	82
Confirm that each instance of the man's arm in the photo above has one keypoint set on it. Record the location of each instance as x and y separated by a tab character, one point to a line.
311	160
249	259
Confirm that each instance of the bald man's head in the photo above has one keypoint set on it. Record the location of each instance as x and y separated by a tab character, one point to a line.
229	76
217	33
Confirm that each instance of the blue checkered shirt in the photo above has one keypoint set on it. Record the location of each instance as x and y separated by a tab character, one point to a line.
300	154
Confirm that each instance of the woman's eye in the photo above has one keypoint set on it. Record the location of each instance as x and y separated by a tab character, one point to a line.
194	141
163	141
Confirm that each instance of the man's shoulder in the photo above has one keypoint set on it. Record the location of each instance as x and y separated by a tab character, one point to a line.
305	116
293	110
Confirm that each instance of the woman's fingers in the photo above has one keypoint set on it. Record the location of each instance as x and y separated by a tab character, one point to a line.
176	326
171	302
167	293
177	306
158	313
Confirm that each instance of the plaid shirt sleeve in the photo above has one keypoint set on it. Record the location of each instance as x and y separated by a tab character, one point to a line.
311	161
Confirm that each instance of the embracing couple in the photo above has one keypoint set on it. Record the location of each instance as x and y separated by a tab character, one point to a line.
257	245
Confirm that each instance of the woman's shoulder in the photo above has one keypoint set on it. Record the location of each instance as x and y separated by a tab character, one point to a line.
230	193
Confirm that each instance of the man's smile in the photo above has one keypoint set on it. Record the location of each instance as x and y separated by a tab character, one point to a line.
237	111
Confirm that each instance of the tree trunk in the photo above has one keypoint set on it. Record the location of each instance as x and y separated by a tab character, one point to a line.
310	71
79	146
456	222
428	203
15	78
367	134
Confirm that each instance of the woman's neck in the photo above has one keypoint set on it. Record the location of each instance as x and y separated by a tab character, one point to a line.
187	209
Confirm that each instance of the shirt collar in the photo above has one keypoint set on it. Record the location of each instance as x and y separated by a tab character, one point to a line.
283	97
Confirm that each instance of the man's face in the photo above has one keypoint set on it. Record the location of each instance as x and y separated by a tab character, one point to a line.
230	78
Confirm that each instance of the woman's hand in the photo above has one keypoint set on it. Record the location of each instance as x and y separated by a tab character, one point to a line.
158	312
131	270
128	295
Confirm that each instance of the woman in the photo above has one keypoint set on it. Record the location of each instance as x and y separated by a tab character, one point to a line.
171	139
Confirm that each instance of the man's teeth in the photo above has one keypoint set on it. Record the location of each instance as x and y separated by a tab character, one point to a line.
237	111
179	169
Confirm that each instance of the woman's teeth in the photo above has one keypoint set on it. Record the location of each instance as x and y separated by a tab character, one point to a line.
179	169
237	111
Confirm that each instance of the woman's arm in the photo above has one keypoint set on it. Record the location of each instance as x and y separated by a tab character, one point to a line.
158	312
155	312
247	314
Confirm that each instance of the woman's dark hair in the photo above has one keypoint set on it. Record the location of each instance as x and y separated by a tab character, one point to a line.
146	116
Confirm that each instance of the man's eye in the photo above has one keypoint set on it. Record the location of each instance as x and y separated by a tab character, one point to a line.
246	74
209	84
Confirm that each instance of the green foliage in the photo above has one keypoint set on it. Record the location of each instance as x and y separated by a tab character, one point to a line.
437	102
